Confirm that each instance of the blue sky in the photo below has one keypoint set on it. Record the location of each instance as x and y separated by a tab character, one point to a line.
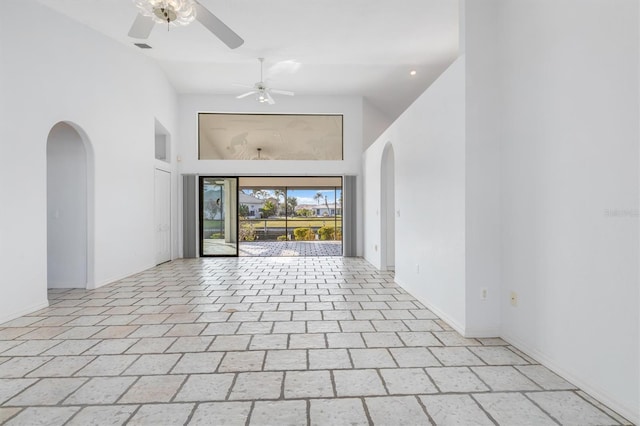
305	196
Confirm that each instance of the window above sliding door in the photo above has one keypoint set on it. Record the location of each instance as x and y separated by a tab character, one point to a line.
270	137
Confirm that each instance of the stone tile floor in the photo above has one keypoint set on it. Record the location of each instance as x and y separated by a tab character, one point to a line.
290	248
267	341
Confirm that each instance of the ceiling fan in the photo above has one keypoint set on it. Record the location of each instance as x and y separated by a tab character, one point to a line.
260	89
180	12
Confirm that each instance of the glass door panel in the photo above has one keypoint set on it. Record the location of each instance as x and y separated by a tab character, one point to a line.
218	216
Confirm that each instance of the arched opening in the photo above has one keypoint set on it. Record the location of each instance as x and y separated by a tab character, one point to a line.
69	254
387	210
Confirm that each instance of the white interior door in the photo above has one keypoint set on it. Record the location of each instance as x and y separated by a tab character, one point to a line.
163	216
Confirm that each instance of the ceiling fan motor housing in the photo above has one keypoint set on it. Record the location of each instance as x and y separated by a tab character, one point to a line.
165	13
263	94
176	12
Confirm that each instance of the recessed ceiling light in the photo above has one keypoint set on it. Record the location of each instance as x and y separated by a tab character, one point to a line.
413	72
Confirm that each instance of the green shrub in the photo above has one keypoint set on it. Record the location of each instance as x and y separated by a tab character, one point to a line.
247	232
327	233
304	213
303	234
216	236
282	238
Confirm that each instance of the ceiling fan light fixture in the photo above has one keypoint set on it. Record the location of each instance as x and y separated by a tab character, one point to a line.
177	12
262	95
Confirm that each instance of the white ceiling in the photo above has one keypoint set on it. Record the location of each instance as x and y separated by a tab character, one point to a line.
321	47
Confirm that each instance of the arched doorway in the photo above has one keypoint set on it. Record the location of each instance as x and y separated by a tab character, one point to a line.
68	208
387	210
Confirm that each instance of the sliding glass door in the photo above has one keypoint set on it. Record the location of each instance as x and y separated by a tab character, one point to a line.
270	216
218	216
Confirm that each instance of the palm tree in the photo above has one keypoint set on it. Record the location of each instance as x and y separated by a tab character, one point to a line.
259	193
278	193
268	209
292	203
318	197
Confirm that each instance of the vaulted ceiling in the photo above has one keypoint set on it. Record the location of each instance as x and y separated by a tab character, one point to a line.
328	47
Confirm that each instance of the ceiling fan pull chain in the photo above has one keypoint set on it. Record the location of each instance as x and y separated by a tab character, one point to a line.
166	15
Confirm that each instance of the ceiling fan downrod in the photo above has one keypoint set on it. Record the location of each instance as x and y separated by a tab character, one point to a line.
261	65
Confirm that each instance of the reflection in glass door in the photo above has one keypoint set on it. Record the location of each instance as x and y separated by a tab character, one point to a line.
218	216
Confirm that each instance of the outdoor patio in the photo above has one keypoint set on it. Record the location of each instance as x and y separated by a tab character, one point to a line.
290	248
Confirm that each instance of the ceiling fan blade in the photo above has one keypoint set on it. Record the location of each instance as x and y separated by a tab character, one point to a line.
141	27
246	86
270	99
244	95
217	27
282	92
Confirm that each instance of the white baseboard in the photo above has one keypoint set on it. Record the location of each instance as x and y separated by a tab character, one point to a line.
64	285
599	394
102	283
481	332
24	311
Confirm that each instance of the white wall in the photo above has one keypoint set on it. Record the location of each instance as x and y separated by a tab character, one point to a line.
349	106
569	156
543	188
374	122
388	209
53	70
483	213
429	149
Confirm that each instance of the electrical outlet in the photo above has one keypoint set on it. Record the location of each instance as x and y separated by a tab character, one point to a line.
514	298
484	293
417	268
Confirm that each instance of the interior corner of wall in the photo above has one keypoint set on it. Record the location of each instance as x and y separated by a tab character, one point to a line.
462	8
452	322
374	262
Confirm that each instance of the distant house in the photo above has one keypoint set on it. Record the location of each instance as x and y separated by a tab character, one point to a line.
253	204
320	210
